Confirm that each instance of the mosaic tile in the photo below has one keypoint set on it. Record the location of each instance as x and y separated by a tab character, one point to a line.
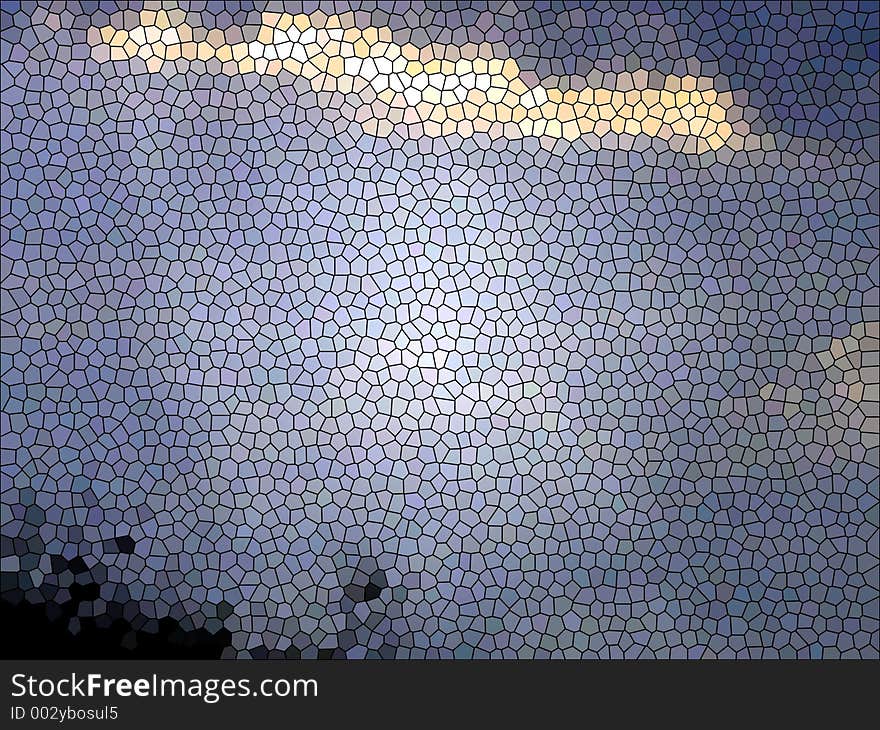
459	330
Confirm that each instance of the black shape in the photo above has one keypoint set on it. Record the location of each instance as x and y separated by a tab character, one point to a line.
372	591
365	586
77	565
122	544
42	631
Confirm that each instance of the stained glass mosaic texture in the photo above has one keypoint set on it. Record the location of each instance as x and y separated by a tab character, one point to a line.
457	330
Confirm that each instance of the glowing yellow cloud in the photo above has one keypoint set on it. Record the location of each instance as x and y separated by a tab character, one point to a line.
437	90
